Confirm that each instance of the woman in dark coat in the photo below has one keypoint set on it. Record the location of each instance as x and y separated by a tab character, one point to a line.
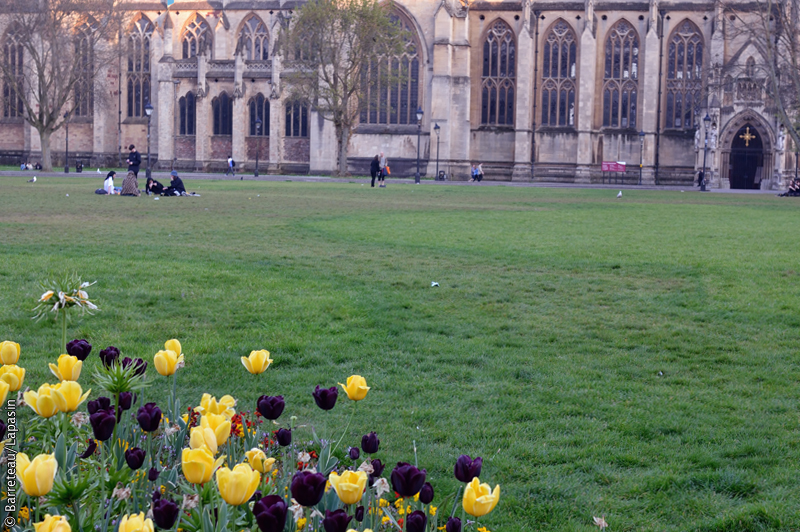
374	168
153	186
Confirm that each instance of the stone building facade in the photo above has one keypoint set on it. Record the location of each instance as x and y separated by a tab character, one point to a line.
542	91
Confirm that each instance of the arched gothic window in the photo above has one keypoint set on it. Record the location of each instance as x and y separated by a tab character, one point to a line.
13	57
139	66
254	39
222	108
84	64
196	37
750	67
558	76
621	76
498	79
296	119
684	76
187	114
392	83
259	108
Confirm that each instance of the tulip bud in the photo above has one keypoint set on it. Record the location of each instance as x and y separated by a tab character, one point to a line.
237	485
257	495
453	525
426	493
354	454
101	403
79	349
336	521
89	450
37	476
356	387
126	400
109	356
271	407
359	515
416	521
103	422
53	523
370	443
149	417
270	513
377	471
325	397
165	513
135	523
12	375
135	458
152	475
9	352
284	437
479	499
407	480
466	468
308	488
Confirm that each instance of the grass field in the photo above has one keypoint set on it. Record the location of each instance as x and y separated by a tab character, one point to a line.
632	357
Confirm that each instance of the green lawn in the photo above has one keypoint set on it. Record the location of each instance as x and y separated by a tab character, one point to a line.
632	357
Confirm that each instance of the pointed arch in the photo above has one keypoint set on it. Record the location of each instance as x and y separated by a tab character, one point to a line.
296	119
196	37
187	110
259	110
621	76
559	71
498	76
84	63
253	38
222	109
392	83
140	33
684	81
13	57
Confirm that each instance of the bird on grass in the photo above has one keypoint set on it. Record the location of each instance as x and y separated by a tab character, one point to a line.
620	194
32	180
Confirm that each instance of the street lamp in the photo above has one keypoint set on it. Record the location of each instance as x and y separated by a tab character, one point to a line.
258	148
436	128
419	133
641	155
148	110
66	151
706	124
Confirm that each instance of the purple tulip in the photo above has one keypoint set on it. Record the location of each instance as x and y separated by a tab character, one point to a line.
370	443
466	468
336	521
165	513
354	454
359	515
79	349
377	471
134	458
325	397
3	429
453	525
407	480
103	422
149	417
270	407
308	488
257	495
416	521
156	494
90	449
101	403
139	365
284	437
426	493
109	356
152	474
126	400
270	513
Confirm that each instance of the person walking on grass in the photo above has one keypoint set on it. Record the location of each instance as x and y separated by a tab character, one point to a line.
374	168
384	164
231	166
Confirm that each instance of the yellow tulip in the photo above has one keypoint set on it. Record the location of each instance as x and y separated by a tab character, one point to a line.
41	401
257	362
13	375
68	368
259	461
210	405
237	486
219	424
53	523
167	362
68	395
356	388
135	523
3	391
203	437
36	477
350	486
173	345
479	499
198	465
9	352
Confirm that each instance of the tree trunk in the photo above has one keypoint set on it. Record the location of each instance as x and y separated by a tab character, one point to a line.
342	140
47	160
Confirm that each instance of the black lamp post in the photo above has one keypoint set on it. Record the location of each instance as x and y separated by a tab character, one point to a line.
258	148
66	150
419	133
148	110
796	156
436	128
641	155
706	124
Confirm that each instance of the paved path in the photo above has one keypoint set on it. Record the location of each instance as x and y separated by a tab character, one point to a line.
189	176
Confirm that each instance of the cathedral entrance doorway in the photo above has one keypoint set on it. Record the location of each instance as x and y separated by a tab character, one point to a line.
746	164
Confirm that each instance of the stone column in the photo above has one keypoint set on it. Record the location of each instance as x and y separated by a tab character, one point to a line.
586	102
276	118
163	136
240	119
523	120
202	137
648	80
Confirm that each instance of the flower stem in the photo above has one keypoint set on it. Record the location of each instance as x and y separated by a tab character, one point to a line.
76	508
64	331
352	413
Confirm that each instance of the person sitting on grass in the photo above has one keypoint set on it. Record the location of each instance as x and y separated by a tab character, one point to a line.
108	184
130	185
176	187
153	187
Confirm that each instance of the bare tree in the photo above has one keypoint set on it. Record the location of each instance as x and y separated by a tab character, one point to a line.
329	46
54	51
